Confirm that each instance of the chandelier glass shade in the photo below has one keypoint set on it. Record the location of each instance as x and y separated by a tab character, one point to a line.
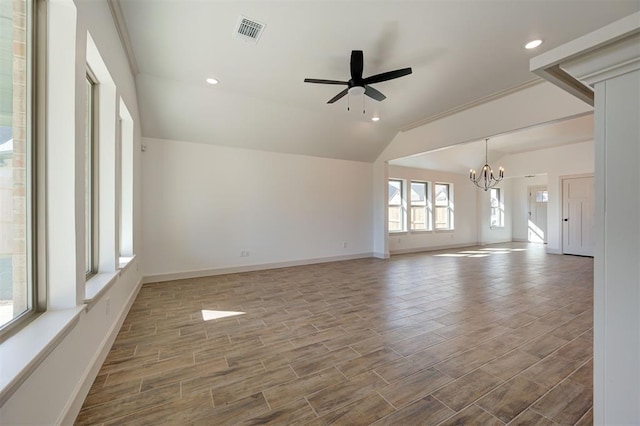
486	179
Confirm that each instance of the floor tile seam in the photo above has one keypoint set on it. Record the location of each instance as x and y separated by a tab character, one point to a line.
552	388
485	393
555	352
543	415
454	411
493	415
312	409
585	414
395	409
431	392
114	399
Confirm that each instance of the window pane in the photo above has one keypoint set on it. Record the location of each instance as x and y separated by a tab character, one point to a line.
395	192
542	197
442	194
88	178
418	218
418	193
442	218
397	212
15	148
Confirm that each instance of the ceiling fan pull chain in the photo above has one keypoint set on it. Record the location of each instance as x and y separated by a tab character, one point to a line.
348	99
363	104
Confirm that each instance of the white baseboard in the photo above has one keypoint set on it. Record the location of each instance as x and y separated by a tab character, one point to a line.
79	394
380	255
432	248
154	278
520	240
553	251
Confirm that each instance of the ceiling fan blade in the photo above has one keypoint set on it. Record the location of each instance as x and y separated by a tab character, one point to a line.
357	64
389	75
374	94
338	96
315	80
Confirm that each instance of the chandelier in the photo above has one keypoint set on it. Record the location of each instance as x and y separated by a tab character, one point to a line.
486	179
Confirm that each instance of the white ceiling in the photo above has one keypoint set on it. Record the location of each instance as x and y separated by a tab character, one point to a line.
462	157
460	51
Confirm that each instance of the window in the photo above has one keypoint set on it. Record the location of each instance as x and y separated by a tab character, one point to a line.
542	196
444	206
396	209
90	179
17	284
421	219
125	217
497	208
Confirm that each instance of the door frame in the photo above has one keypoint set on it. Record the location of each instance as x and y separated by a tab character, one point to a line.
530	188
561	209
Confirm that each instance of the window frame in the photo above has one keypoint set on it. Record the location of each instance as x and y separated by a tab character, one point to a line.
91	142
401	205
35	171
449	207
427	206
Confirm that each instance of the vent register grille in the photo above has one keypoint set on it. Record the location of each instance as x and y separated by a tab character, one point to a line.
249	29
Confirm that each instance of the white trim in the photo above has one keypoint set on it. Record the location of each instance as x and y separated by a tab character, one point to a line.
123	33
471	104
23	352
434	248
248	268
379	255
75	401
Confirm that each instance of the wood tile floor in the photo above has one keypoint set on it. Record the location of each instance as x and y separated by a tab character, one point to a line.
492	335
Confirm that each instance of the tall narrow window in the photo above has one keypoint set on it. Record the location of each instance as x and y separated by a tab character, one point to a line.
90	183
420	207
396	210
497	208
126	184
17	284
444	206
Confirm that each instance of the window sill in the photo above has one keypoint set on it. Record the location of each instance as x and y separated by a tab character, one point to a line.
496	227
445	230
125	261
97	285
23	352
397	232
421	231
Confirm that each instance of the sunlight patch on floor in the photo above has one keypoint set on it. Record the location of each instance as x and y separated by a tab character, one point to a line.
483	252
208	315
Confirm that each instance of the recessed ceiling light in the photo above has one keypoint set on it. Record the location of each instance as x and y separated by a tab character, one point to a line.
375	118
533	44
212	81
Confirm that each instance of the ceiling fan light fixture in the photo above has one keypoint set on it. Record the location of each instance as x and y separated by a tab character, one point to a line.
356	91
212	80
375	118
533	44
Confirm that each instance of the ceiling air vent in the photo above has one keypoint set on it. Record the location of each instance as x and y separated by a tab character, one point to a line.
249	29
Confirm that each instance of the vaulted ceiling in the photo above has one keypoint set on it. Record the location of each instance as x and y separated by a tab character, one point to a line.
460	51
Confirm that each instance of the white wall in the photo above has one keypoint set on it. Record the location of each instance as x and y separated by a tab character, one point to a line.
204	204
486	233
564	161
54	390
465	214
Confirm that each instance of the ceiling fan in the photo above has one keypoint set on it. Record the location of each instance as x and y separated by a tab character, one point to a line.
358	85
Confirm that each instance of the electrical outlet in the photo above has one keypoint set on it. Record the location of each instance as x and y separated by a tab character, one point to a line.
244	253
399	240
344	244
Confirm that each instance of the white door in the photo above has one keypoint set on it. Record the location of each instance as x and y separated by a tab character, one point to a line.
577	216
537	223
